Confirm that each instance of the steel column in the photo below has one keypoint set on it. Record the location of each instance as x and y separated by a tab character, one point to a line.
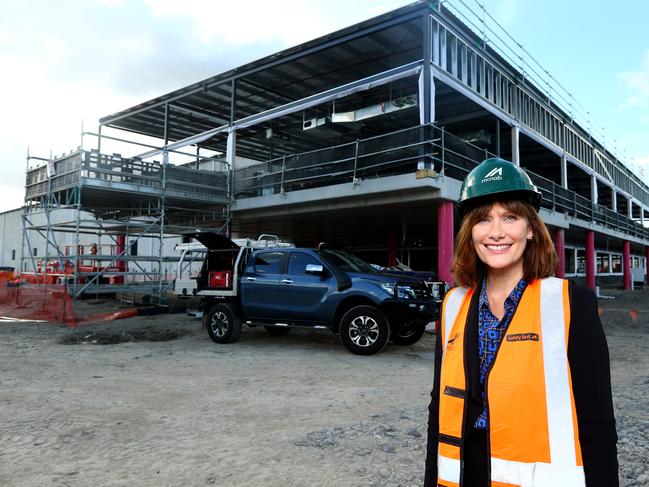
98	140
392	249
497	137
559	246
165	135
614	200
629	208
646	263
593	190
516	158
233	101
426	70
427	92
626	264
564	171
445	236
590	259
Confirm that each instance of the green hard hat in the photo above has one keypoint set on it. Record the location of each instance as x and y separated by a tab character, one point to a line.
495	178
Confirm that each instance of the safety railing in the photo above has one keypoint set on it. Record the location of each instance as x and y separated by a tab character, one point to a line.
389	154
399	153
53	176
132	175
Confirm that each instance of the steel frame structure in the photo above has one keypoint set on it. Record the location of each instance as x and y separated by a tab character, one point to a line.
461	71
505	83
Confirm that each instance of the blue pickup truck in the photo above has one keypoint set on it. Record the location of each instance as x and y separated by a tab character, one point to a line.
278	286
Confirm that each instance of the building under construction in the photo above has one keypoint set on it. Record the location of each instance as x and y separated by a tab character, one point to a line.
362	138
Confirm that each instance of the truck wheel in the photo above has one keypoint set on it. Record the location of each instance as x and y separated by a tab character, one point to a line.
364	330
222	324
278	331
407	334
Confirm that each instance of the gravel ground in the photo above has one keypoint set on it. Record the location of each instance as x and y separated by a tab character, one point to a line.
151	401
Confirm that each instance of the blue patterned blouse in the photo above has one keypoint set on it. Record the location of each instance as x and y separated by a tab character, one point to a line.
490	334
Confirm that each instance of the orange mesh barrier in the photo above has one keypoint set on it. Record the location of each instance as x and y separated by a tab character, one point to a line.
52	303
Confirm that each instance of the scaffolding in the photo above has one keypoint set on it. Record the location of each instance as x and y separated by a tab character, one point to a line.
91	210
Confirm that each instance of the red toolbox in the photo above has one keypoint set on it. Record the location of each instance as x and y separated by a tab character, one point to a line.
220	279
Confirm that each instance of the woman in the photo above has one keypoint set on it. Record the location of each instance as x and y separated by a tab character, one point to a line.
521	393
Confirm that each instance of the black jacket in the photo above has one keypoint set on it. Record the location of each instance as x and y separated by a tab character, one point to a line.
591	384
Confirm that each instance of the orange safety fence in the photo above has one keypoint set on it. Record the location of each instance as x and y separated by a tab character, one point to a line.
51	304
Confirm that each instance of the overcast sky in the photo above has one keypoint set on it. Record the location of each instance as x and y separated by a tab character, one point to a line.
73	60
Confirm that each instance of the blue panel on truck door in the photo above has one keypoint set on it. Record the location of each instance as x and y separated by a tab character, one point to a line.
260	285
302	294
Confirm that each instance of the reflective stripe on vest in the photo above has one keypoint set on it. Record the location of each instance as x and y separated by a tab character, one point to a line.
533	435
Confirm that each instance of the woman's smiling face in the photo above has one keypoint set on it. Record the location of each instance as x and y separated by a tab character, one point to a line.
500	239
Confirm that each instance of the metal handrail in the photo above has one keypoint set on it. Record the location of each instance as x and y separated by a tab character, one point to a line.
446	152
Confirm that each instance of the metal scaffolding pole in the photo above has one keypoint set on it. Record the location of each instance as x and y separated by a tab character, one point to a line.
165	162
24	230
77	209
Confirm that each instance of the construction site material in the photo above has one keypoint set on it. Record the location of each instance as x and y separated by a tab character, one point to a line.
52	305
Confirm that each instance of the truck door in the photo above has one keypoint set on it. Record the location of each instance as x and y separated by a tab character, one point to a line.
260	285
303	289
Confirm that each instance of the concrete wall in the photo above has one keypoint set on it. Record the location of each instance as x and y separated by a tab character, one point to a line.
10	238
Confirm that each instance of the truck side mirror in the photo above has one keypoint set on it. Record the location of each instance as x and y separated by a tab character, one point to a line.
314	269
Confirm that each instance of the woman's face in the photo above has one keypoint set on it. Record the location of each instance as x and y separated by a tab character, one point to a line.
500	239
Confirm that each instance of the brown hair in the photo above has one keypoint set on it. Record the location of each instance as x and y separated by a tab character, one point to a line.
539	259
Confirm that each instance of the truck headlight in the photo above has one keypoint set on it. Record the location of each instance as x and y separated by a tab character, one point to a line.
406	292
388	288
435	292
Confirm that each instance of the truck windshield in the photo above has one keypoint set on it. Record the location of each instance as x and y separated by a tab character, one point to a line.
346	262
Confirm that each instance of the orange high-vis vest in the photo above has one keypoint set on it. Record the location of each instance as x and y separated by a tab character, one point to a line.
533	438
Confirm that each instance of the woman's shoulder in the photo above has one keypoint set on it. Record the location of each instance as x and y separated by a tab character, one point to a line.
577	291
581	297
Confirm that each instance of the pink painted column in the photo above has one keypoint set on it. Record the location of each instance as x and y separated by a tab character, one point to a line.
392	249
445	237
559	246
626	264
590	259
121	264
647	264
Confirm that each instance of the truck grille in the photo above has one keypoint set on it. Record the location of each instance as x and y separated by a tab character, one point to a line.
435	289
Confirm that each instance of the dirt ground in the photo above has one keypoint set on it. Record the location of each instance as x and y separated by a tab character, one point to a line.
167	407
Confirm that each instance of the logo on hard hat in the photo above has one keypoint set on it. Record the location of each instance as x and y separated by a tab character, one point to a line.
496	174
